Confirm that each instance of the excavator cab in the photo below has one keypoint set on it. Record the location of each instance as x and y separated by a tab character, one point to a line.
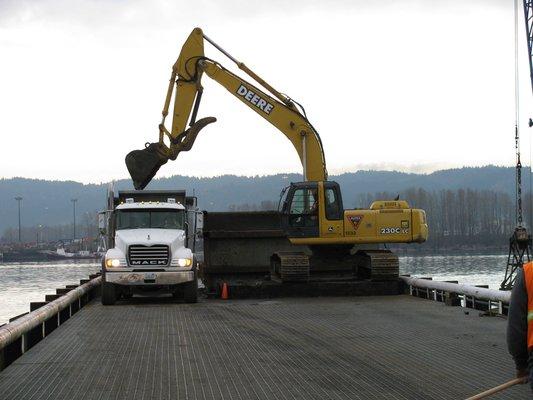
312	214
308	206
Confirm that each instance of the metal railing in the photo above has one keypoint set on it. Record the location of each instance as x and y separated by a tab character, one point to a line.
455	294
24	332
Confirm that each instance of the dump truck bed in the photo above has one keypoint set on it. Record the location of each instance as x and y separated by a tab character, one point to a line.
238	247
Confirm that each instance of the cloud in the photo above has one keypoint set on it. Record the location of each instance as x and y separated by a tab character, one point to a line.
397	83
164	13
422	168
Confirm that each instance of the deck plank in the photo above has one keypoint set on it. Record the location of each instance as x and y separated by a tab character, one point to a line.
392	347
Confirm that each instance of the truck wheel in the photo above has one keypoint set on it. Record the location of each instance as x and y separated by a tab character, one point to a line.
109	294
190	291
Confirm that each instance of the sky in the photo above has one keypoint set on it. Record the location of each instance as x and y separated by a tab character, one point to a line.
397	84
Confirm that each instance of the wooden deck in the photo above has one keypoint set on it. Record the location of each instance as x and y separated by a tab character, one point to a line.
391	347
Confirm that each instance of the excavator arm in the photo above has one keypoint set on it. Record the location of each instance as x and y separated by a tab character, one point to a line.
185	80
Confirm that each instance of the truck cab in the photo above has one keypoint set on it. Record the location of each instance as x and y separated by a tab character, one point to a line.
150	238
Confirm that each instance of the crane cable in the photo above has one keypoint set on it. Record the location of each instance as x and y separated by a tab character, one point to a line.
529	203
518	185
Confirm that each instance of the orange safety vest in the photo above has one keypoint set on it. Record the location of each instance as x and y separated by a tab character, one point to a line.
528	276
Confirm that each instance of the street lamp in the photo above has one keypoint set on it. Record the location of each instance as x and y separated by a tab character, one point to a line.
74	217
19	199
40	234
88	221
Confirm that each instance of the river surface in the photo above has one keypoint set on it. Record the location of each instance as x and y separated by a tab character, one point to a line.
21	283
467	269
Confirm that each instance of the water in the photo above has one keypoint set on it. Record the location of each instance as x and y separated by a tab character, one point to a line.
467	269
22	283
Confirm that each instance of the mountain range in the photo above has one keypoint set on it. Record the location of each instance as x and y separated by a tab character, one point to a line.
49	202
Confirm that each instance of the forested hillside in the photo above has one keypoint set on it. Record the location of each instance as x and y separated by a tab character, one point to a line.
466	207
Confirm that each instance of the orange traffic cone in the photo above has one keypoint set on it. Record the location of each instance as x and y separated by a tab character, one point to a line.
224	295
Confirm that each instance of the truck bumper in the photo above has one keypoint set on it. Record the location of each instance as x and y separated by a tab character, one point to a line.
149	278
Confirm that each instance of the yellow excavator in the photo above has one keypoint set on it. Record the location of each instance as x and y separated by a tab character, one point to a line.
312	211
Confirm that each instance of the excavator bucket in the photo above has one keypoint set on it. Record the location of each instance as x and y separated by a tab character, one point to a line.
144	164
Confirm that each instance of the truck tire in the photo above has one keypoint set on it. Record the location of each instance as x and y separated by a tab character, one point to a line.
109	294
190	290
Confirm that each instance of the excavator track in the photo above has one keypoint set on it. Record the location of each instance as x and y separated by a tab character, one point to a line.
290	266
378	265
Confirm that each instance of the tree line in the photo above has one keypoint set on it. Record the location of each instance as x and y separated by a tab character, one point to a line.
86	227
464	219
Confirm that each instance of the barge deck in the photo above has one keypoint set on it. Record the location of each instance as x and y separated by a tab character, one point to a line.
389	347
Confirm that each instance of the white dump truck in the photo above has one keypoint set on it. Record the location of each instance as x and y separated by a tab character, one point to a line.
150	237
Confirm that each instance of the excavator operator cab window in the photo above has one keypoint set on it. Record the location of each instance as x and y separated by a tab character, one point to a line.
283	203
300	210
332	203
304	208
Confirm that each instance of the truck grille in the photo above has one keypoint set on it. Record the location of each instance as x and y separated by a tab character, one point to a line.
139	255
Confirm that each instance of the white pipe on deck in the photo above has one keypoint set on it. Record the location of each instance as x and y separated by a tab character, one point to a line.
14	330
478	293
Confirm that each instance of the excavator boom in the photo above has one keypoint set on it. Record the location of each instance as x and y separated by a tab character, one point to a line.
185	84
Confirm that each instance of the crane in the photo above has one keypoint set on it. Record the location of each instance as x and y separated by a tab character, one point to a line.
520	240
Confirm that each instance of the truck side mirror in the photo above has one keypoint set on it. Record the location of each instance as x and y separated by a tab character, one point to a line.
102	222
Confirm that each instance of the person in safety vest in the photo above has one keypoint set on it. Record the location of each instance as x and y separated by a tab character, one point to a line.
520	323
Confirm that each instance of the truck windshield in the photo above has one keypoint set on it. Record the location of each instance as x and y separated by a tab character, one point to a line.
150	218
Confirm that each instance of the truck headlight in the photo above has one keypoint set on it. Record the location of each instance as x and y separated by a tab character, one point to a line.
112	262
184	262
